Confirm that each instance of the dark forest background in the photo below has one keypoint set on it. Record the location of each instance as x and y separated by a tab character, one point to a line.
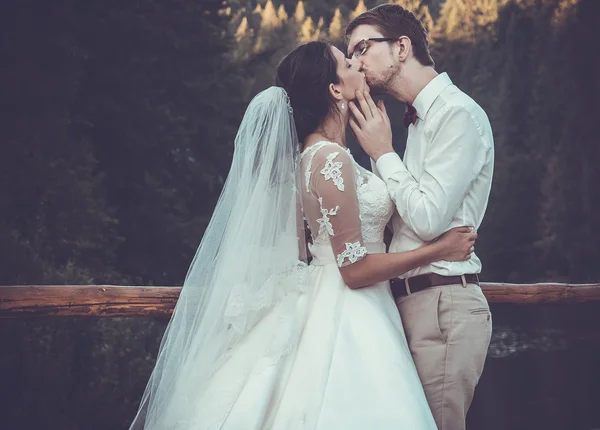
116	133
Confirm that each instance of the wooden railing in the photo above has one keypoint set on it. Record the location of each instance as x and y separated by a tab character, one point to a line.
133	301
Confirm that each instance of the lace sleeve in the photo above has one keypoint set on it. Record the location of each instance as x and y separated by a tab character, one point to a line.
333	184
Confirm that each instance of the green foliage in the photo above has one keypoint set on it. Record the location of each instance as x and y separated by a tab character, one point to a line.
118	133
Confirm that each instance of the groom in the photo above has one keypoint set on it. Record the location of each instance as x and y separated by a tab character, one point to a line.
443	182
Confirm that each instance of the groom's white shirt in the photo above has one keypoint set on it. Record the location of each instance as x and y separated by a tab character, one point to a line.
445	179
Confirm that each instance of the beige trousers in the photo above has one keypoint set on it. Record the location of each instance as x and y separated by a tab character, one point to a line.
448	330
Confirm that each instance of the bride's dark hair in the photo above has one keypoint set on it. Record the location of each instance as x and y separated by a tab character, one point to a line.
305	74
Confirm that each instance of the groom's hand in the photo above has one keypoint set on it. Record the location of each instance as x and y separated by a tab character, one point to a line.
371	125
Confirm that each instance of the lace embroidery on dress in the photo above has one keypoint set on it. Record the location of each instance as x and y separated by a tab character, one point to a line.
353	252
376	207
336	171
332	170
360	180
324	223
312	150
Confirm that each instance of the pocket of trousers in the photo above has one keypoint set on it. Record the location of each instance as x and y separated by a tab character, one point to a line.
481	311
443	315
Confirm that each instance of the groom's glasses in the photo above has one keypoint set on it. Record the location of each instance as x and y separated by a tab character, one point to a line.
361	47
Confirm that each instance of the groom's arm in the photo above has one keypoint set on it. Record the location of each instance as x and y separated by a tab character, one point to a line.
455	156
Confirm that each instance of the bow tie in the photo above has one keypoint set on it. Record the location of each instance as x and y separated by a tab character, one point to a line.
410	115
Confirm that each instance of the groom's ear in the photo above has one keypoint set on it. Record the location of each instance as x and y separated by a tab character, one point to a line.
405	47
336	91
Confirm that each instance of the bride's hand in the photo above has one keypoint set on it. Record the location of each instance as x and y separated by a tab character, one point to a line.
457	244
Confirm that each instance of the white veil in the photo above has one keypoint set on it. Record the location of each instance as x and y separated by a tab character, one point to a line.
251	257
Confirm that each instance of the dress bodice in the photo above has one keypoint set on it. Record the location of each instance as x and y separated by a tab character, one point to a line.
344	204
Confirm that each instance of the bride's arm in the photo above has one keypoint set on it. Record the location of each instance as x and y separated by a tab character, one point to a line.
333	184
452	246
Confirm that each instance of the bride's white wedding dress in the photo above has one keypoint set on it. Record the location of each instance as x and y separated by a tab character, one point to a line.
326	357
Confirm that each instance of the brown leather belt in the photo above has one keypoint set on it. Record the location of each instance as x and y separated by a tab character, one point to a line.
422	282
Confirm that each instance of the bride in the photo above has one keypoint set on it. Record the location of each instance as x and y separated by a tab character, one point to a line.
260	339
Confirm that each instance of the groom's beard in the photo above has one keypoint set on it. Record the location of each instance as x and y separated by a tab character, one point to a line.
378	87
381	85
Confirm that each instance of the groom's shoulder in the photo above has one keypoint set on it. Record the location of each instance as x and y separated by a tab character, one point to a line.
454	105
454	99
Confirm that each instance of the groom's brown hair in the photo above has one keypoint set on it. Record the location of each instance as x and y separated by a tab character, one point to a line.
393	20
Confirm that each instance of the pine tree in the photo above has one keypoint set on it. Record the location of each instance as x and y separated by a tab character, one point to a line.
453	16
336	27
282	14
319	28
420	10
269	17
425	17
360	8
242	30
307	31
411	5
268	33
464	19
300	14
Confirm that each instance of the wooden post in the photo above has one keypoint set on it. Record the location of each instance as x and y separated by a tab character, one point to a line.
132	301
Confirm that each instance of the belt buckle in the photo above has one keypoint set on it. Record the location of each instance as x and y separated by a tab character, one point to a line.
407	287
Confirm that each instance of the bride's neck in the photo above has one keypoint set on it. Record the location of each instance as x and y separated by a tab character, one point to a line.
332	129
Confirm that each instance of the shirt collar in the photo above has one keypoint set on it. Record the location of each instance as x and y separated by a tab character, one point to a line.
427	95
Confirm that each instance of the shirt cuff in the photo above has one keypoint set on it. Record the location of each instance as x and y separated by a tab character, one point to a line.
389	165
